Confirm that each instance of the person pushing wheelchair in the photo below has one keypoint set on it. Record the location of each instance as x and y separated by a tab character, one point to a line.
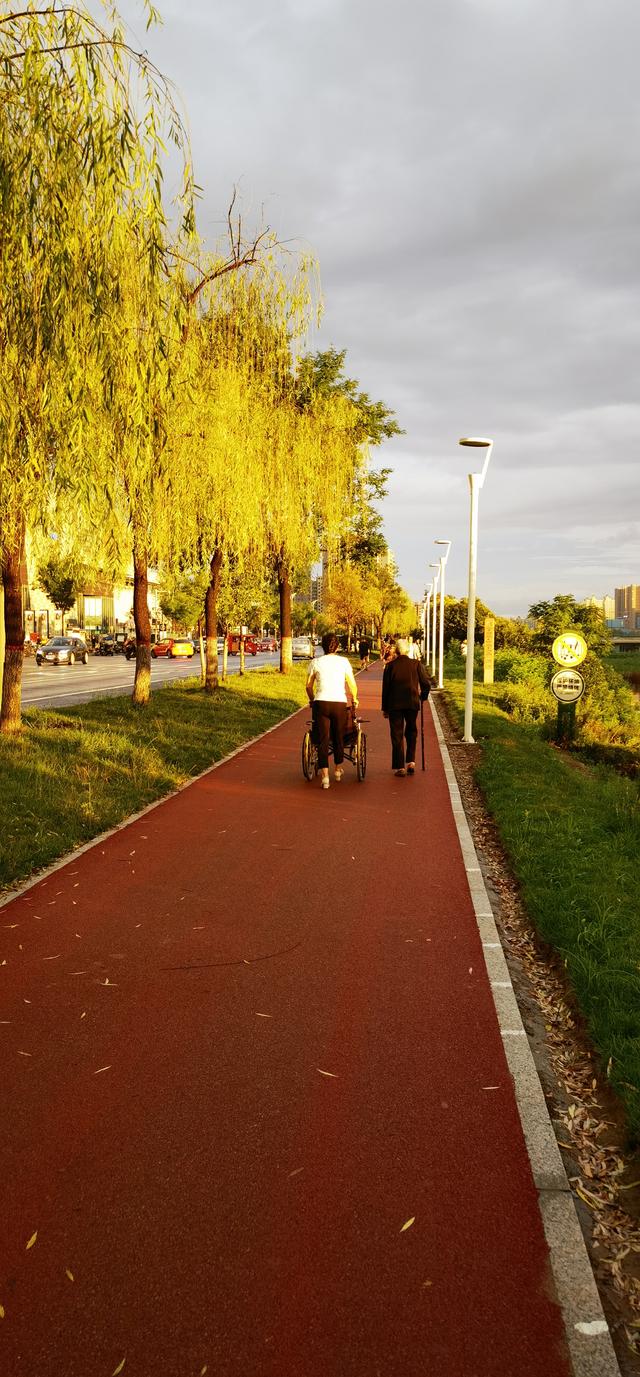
329	680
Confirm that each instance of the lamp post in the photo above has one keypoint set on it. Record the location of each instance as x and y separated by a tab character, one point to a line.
434	629
443	562
476	481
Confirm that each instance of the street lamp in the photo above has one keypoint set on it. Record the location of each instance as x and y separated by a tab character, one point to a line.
434	629
443	561
476	481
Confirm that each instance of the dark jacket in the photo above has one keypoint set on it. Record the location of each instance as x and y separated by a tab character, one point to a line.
405	684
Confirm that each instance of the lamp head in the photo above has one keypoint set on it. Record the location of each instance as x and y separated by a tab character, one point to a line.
479	442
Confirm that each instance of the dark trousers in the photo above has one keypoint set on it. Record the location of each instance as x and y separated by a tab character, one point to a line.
330	721
403	723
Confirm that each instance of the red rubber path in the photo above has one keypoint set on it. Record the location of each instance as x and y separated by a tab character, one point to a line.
247	1039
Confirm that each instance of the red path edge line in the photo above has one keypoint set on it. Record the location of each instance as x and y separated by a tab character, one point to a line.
220	1201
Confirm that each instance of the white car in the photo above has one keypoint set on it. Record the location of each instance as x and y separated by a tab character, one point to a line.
301	648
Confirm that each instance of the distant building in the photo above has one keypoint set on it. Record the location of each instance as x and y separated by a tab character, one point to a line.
627	606
606	605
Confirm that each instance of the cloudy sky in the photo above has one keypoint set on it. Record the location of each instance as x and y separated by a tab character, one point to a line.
467	173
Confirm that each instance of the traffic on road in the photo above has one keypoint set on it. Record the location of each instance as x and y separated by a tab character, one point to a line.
55	684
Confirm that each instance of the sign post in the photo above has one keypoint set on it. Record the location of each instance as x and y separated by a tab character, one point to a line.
568	650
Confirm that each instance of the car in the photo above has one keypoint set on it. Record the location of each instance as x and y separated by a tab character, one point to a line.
233	644
301	648
62	650
177	647
268	643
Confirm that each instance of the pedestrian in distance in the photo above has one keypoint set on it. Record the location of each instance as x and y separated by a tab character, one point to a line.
330	679
364	651
413	650
388	649
405	685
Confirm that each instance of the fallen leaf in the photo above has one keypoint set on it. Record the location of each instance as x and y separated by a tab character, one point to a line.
1	1312
408	1223
84	1015
296	1172
327	1073
119	1368
102	1068
25	1054
263	1015
69	1274
31	1241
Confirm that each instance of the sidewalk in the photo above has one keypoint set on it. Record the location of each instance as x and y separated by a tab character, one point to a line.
256	1105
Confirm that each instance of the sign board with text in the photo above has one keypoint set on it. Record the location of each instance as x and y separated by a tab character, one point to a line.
567	685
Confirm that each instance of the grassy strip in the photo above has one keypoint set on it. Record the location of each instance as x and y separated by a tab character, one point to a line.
572	833
76	772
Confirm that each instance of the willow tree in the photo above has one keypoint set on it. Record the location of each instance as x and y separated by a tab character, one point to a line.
230	417
80	143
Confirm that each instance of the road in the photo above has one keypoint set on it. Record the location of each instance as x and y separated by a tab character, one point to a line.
56	686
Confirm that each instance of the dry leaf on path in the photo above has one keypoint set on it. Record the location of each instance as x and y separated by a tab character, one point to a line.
31	1241
327	1073
119	1368
408	1224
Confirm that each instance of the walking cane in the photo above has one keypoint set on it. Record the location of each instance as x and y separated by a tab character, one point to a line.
422	731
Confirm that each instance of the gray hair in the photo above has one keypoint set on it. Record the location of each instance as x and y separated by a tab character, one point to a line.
402	646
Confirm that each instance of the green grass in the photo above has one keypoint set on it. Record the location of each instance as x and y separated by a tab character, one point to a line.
74	773
572	834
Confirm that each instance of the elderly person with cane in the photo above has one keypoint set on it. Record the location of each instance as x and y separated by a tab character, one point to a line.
405	684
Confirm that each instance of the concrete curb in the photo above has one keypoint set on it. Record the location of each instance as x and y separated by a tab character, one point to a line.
587	1332
69	856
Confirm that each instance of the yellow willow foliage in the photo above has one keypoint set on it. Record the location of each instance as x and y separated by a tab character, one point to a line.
81	126
311	482
232	415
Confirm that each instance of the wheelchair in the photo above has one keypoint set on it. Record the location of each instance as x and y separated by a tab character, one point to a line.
355	747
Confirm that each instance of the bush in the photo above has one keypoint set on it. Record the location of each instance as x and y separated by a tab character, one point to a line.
526	702
521	667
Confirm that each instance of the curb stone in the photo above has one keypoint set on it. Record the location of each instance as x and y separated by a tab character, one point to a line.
587	1332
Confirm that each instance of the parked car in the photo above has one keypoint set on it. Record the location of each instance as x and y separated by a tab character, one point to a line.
268	643
177	647
62	650
302	648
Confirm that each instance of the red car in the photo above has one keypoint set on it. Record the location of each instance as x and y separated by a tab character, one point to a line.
177	647
268	643
233	644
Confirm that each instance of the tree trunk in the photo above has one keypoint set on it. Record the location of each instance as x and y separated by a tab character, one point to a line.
211	621
10	717
284	590
142	680
225	655
241	652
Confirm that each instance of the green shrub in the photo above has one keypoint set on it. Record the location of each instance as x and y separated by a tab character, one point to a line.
521	667
526	702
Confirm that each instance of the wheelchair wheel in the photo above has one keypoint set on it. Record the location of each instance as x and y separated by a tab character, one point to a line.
309	756
361	756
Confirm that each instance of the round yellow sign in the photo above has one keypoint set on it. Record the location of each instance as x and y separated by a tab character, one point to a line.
569	649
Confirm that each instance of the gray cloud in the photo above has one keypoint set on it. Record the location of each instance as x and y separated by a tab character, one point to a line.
466	171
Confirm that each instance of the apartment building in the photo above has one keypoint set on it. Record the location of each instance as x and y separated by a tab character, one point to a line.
627	606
